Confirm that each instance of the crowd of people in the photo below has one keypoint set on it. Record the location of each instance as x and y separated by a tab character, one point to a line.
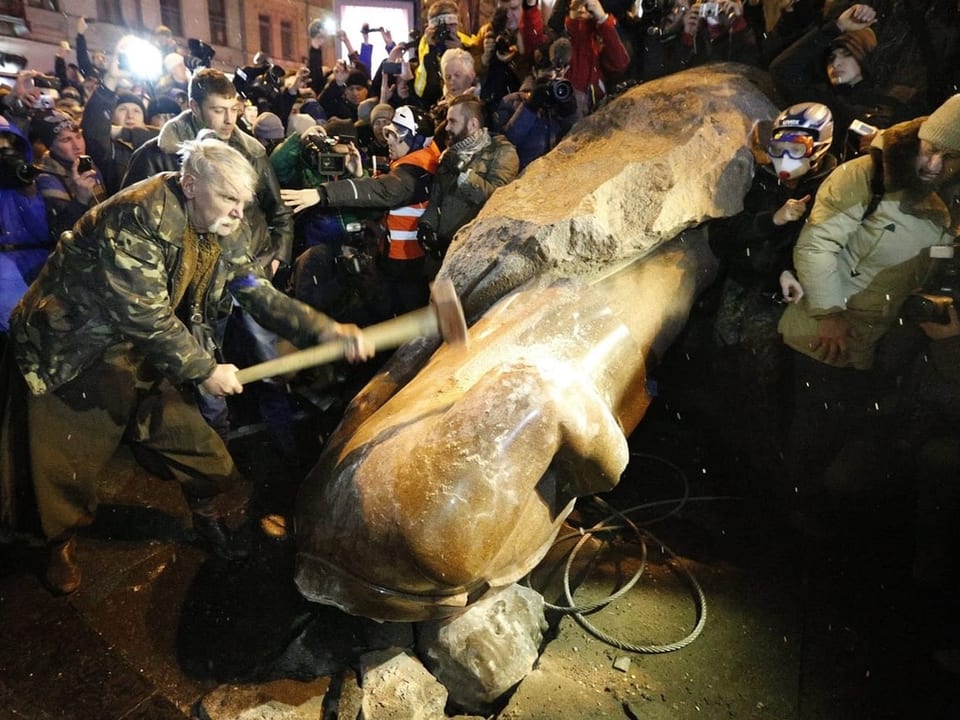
145	221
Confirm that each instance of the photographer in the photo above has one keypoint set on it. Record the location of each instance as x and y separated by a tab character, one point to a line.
69	182
717	31
344	91
598	56
442	33
403	192
510	42
23	222
536	117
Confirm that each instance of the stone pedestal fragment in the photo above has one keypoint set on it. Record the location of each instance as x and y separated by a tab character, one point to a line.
483	652
396	686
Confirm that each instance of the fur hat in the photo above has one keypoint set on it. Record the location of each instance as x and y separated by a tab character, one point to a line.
443	7
338	127
46	127
364	109
859	43
942	128
267	126
383	110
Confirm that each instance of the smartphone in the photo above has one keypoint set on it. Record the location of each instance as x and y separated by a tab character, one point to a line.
392	68
84	164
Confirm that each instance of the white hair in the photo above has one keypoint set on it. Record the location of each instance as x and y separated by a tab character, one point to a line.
459	55
207	158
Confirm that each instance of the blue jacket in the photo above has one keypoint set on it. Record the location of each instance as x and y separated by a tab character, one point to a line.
24	244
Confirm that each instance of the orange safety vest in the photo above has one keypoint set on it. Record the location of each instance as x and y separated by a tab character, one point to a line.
402	221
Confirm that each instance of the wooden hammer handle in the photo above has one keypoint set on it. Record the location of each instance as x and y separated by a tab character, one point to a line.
384	336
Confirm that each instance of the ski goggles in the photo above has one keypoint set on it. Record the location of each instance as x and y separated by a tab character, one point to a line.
792	145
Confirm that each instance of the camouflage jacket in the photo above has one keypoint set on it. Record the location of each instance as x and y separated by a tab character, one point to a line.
110	283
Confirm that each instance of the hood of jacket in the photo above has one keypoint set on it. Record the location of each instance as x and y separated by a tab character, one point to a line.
19	139
897	147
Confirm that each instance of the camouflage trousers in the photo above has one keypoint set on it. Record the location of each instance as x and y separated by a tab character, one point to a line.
63	441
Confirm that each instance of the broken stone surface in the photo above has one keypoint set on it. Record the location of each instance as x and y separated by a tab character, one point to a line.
483	652
396	686
659	159
450	477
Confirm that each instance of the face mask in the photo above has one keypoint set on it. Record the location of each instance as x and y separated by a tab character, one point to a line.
789	169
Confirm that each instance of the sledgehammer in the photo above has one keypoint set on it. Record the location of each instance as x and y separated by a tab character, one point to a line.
443	316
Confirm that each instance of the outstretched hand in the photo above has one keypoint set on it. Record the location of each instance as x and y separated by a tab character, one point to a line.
300	199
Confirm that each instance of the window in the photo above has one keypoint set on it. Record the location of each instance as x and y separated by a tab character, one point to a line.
266	33
218	21
395	15
286	38
110	11
170	16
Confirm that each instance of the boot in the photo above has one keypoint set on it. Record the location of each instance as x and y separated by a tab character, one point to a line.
62	576
218	538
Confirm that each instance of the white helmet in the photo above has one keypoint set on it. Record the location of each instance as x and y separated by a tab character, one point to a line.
801	136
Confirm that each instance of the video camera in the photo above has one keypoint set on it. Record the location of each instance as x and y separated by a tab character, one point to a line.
320	156
261	82
201	54
15	171
940	289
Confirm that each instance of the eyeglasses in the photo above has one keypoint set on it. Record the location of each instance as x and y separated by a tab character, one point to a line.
792	145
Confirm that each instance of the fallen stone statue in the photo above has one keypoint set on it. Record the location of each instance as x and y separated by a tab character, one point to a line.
453	470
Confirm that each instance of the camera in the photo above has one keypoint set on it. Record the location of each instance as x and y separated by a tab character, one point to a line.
498	26
940	289
15	171
412	42
442	33
46	81
709	10
552	92
84	164
201	54
319	155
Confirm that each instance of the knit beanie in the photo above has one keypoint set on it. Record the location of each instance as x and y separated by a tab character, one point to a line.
268	126
299	123
128	97
46	127
357	77
383	110
364	109
942	128
859	43
162	106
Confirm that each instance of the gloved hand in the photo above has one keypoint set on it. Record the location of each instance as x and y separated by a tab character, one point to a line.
427	237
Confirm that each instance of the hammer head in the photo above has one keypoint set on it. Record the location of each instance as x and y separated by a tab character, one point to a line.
450	320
